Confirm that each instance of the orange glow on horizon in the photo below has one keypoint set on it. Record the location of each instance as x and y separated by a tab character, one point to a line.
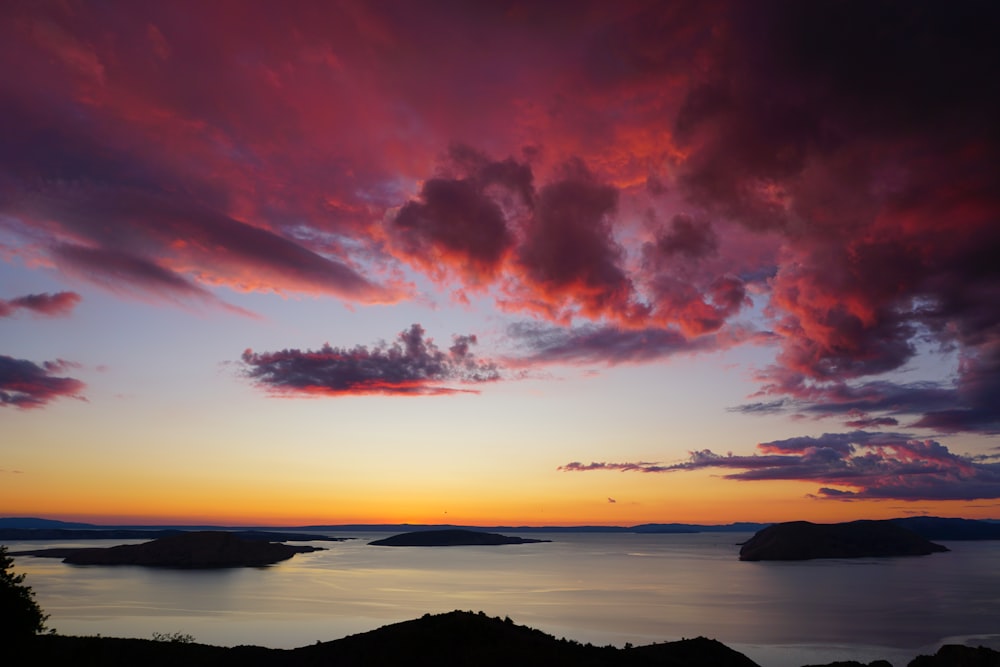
772	511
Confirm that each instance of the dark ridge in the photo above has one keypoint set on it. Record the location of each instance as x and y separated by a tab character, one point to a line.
27	528
954	655
194	550
802	540
92	530
937	528
738	527
23	534
458	638
33	522
854	663
451	538
695	652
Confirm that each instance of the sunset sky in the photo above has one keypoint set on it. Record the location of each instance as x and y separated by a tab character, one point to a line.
522	263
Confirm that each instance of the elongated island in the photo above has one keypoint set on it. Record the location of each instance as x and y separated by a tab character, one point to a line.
193	550
451	538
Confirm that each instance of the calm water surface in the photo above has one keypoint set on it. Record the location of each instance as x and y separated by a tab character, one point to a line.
597	588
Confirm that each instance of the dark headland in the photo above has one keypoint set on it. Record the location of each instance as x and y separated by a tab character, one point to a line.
451	538
194	550
803	540
457	639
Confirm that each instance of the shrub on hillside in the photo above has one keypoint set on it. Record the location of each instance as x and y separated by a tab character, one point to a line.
22	617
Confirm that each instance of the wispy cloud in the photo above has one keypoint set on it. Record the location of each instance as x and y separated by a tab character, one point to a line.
547	344
870	466
411	365
965	404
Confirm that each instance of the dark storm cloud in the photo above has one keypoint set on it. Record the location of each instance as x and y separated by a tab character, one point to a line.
569	255
461	222
687	237
411	365
25	384
554	247
875	163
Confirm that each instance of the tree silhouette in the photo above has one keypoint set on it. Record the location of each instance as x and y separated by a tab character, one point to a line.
22	617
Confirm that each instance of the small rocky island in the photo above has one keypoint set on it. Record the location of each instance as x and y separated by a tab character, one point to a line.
802	540
189	550
450	538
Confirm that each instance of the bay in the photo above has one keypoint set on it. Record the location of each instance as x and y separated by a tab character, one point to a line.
597	588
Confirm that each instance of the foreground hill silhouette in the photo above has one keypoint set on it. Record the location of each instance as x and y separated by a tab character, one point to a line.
456	639
198	549
450	538
803	540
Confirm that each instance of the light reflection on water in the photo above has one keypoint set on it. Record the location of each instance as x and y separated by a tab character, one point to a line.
599	588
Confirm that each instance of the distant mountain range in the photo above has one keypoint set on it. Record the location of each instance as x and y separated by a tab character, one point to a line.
932	528
31	523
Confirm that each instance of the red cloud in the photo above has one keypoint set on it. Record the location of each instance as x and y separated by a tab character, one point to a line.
125	273
462	223
412	365
553	249
718	152
25	384
51	305
687	237
569	255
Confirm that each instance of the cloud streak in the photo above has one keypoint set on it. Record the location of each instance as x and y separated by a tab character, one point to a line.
58	304
411	365
546	344
877	466
27	385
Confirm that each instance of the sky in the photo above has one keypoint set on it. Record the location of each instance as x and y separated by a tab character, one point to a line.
499	263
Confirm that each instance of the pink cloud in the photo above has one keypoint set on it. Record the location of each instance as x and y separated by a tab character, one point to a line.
58	304
27	385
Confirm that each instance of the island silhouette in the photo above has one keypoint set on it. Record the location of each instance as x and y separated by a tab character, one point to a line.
804	540
190	550
450	538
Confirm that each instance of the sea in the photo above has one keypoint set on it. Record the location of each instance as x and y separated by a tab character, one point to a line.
598	588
